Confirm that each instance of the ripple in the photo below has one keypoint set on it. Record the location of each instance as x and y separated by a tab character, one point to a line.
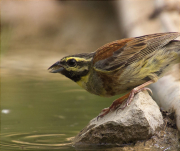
29	141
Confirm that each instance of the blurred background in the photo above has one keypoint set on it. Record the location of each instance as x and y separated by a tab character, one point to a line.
40	110
36	33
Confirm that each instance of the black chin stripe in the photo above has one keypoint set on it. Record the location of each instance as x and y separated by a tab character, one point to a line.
78	75
75	76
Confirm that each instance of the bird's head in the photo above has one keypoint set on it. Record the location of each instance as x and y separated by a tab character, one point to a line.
74	67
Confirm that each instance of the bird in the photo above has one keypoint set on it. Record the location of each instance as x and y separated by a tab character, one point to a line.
124	66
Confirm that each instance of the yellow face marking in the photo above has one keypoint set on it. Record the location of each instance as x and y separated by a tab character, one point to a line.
82	83
77	68
77	59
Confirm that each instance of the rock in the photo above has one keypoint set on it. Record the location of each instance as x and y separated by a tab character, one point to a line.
136	122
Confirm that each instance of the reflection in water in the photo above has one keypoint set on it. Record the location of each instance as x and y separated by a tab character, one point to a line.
34	141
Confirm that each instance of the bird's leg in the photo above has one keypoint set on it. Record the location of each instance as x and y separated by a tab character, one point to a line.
129	95
113	106
140	88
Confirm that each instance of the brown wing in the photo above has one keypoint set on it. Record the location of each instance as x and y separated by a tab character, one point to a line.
126	51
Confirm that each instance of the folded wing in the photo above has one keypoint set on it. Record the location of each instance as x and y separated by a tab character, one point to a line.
120	53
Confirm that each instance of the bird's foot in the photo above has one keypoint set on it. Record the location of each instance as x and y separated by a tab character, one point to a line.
103	112
131	96
115	105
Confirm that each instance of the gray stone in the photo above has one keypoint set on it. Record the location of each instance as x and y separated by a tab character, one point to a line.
136	122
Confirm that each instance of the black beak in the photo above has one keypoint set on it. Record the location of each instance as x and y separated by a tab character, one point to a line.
56	68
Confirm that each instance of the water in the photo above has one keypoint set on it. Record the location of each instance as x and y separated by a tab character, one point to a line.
44	114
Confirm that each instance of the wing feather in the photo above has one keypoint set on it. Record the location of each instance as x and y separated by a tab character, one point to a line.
123	52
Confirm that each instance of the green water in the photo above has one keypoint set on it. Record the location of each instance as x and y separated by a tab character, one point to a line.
44	114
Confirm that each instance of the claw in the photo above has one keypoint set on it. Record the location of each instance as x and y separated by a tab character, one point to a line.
149	90
98	117
103	112
145	88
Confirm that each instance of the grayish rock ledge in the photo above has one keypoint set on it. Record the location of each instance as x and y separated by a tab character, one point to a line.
136	122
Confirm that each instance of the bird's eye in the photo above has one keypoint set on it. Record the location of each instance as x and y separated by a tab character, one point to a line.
71	62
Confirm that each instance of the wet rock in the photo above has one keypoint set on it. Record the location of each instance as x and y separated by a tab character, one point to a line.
136	122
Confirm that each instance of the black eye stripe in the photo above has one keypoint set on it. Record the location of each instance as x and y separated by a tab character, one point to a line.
80	63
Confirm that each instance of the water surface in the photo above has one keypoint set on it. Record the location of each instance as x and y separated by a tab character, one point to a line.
44	114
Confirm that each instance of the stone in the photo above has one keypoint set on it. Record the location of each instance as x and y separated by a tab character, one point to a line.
138	121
